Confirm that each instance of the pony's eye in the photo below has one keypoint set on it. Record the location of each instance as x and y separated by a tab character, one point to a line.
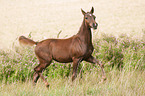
86	18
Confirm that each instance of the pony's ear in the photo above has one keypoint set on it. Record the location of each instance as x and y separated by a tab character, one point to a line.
92	10
83	12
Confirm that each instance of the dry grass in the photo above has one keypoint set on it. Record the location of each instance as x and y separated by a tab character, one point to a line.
118	84
45	18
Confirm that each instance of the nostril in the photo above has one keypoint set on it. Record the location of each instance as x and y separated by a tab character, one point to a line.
95	24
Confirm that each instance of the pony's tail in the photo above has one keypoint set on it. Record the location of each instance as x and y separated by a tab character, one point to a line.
26	41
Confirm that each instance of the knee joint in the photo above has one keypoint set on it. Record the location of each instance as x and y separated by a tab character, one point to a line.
37	69
102	65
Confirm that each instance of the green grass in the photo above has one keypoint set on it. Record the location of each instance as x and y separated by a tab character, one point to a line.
123	53
123	57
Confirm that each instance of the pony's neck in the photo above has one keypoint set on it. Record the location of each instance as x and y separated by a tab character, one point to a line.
85	32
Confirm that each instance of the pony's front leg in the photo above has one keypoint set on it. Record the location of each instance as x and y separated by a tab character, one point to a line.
35	78
76	63
93	60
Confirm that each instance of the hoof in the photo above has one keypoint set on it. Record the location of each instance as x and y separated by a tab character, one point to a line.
34	84
103	79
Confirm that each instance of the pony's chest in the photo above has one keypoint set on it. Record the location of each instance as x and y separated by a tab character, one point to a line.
79	48
89	50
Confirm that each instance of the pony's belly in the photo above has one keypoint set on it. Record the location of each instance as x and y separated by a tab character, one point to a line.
63	59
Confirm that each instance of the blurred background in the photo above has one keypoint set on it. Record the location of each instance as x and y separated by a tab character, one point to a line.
41	19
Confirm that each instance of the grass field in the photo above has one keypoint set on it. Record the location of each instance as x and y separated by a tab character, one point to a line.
124	66
119	43
121	84
118	84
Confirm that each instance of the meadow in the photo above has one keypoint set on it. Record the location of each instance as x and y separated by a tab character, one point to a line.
119	44
124	61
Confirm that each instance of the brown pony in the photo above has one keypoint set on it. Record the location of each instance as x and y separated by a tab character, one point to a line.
74	49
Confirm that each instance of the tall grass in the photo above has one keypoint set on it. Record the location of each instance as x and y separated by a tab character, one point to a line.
123	57
119	83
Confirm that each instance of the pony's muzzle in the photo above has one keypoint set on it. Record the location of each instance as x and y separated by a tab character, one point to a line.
95	25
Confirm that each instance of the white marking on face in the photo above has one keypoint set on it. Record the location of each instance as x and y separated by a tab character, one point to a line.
90	14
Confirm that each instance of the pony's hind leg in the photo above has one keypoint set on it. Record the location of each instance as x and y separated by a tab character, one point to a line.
39	70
